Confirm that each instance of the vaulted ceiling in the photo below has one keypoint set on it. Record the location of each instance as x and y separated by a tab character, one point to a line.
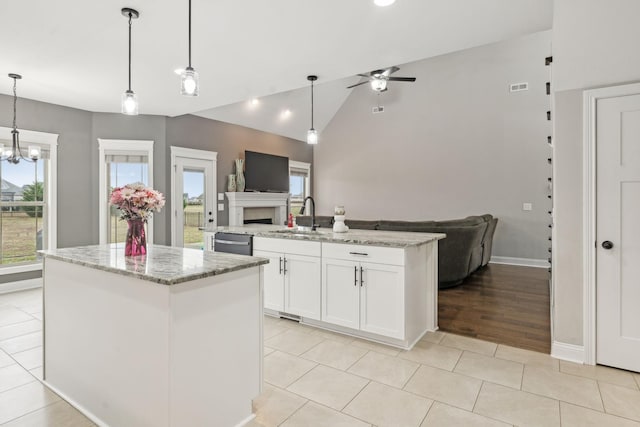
74	52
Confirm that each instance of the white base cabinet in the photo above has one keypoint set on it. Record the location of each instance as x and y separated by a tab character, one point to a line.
292	277
384	294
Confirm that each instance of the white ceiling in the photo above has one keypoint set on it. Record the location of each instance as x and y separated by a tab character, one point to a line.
74	52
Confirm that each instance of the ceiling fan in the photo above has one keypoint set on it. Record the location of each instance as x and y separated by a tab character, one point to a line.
379	78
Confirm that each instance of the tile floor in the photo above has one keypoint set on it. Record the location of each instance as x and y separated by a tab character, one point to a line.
317	378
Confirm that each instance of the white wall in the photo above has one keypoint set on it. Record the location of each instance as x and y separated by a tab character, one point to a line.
452	144
595	43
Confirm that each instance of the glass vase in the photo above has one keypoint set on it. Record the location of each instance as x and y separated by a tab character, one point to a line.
240	175
136	243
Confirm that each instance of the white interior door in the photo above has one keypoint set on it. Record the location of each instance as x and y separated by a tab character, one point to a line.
193	196
618	232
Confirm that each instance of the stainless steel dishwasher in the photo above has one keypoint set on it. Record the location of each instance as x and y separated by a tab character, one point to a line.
241	244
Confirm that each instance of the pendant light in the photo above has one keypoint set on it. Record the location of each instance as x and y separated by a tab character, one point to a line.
14	154
312	134
190	83
129	98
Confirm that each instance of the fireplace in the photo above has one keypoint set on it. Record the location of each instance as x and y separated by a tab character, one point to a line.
251	206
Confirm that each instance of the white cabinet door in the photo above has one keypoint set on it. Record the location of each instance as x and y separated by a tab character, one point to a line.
273	280
302	285
341	293
382	299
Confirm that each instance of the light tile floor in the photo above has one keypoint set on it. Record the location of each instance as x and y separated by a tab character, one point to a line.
318	378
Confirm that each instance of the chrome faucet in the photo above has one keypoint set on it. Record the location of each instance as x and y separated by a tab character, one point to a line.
313	211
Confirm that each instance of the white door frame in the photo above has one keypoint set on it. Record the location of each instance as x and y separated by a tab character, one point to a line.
590	99
198	155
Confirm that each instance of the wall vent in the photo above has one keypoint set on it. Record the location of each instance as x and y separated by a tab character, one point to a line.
378	109
518	87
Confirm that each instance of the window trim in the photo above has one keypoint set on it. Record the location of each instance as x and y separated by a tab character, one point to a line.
294	164
119	146
51	175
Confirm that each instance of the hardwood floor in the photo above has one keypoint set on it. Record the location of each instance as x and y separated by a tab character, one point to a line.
501	303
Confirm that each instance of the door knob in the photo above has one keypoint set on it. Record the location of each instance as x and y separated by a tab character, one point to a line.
607	244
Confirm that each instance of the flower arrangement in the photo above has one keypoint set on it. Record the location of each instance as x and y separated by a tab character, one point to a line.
136	201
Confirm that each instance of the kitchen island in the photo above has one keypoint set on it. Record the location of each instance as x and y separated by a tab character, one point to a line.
376	285
171	338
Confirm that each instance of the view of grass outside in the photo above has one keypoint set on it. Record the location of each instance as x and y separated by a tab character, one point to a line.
193	220
19	236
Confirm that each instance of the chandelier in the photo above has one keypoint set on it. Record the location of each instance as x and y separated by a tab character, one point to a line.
14	154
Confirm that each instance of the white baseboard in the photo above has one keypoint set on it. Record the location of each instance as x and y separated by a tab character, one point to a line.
525	262
20	285
569	352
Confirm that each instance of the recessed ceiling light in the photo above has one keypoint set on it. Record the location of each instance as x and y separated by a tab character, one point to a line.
285	114
383	3
254	101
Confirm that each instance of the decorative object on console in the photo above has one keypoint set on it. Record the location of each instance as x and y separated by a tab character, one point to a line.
136	203
338	224
231	186
129	98
240	175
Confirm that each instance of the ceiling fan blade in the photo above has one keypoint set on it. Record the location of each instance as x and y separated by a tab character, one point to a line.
358	84
390	70
402	79
363	75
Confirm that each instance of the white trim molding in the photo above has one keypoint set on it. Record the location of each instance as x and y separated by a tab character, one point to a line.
524	262
192	153
590	99
120	146
20	285
569	352
50	140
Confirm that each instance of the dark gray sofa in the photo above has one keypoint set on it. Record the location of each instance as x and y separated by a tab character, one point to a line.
466	249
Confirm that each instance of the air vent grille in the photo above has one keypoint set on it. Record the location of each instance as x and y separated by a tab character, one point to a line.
518	87
376	110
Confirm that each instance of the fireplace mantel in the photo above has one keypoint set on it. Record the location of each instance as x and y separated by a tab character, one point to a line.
238	202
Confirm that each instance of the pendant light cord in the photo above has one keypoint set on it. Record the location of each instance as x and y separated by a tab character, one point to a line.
130	51
189	33
15	101
311	104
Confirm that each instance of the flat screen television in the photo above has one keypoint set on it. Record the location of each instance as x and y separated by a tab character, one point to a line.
266	172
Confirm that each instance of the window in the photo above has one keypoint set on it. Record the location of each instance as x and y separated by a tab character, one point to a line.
122	162
27	203
299	184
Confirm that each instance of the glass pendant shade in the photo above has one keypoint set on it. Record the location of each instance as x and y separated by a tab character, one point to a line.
129	103
312	136
378	84
190	82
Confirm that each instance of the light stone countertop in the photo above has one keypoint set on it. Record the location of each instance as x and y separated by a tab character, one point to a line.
396	239
165	265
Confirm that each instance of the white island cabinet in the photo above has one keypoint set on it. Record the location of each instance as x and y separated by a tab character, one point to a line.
292	278
173	338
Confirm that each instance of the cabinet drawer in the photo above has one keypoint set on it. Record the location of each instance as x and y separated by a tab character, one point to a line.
290	246
377	254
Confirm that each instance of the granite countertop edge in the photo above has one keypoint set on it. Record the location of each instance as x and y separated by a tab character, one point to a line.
250	262
394	239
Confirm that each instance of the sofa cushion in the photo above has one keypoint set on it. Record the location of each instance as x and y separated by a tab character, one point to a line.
416	226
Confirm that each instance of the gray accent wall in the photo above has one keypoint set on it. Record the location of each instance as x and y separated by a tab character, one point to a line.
79	131
229	141
454	143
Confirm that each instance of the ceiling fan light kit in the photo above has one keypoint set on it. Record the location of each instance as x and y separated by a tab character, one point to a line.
378	79
129	98
190	81
312	134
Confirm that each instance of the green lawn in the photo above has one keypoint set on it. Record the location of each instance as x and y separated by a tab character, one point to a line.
18	236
